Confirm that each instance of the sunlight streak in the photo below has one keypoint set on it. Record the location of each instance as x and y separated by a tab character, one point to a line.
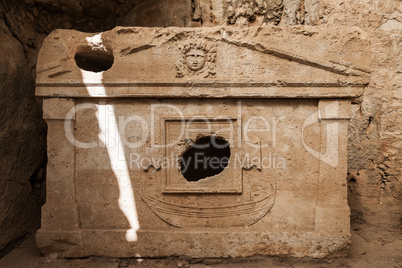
110	136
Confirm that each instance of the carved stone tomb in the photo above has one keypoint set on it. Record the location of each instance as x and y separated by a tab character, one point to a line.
214	142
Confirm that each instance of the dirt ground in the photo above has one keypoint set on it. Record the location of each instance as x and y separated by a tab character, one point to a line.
371	247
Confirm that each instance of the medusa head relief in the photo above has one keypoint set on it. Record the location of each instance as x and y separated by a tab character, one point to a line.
197	59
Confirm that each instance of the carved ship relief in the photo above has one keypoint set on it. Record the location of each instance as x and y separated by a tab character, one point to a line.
244	214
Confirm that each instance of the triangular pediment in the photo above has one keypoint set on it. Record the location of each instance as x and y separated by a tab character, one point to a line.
230	58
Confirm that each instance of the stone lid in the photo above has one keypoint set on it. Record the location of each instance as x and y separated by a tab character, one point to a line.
216	62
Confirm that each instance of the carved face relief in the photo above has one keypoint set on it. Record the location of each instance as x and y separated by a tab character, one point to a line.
195	59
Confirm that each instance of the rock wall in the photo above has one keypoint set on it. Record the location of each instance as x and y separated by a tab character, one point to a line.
22	143
374	132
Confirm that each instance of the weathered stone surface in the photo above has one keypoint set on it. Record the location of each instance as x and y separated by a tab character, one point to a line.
375	132
22	139
340	76
245	12
282	112
160	13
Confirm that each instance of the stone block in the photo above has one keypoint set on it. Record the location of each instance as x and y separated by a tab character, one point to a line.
201	142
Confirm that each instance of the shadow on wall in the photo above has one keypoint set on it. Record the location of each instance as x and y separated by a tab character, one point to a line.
22	145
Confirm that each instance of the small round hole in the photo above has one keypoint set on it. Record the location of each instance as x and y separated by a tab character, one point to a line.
94	60
207	157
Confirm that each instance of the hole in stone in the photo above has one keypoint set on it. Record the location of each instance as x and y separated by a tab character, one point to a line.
207	157
94	60
252	18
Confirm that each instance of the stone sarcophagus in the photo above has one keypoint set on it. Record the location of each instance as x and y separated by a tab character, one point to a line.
214	142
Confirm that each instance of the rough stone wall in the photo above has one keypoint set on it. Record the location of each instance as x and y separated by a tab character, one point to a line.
22	143
375	129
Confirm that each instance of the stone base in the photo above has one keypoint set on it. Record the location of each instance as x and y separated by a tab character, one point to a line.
197	243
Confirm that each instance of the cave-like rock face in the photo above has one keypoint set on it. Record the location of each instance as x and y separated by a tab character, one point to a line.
22	142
